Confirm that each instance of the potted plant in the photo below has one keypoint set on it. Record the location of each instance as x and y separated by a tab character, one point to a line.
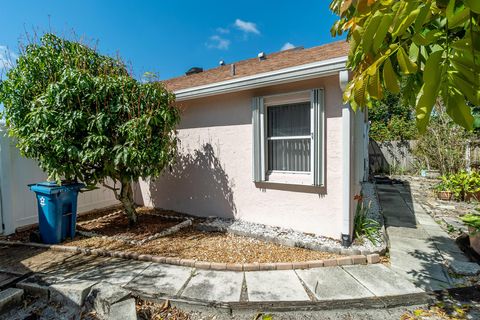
473	222
472	187
444	189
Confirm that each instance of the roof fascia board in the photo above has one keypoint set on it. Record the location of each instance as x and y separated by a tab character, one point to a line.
297	73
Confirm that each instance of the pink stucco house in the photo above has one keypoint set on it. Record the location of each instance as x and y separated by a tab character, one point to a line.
268	140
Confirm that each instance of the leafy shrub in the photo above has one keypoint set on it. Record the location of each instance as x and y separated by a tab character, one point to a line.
83	117
443	146
364	226
445	185
472	220
461	184
391	119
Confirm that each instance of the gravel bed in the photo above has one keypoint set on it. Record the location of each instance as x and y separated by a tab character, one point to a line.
292	238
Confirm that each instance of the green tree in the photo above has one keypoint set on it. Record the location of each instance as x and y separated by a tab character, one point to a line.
443	146
391	119
435	42
84	118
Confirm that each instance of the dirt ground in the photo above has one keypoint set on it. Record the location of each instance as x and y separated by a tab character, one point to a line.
187	243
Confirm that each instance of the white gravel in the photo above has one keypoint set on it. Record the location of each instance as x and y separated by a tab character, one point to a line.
292	238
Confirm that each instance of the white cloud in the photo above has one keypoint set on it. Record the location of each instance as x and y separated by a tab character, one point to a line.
287	46
223	30
7	58
247	27
217	42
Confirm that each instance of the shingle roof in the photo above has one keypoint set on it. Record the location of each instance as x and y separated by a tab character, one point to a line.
274	61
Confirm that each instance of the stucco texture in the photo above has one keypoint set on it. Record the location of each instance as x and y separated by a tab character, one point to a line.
213	174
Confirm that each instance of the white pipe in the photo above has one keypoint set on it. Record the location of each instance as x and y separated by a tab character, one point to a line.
346	151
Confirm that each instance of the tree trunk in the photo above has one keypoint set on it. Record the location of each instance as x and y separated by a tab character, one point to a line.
126	197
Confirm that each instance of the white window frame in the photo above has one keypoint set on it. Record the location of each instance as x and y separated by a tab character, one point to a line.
280	176
262	174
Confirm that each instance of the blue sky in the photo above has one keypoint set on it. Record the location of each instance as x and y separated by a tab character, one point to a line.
168	37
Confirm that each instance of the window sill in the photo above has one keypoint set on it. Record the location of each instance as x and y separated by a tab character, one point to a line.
295	178
292	187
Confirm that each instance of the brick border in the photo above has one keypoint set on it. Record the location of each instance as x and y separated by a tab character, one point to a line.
205	265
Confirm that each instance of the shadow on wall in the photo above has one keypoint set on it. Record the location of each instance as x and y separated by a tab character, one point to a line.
197	185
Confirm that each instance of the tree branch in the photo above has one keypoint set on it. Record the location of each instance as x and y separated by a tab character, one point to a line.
117	196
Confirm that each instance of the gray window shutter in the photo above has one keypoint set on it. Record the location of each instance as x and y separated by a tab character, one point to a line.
258	139
318	106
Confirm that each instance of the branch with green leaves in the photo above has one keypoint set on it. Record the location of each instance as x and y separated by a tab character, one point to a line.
436	43
83	117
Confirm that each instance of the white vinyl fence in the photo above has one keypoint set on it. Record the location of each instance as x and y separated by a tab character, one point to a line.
17	203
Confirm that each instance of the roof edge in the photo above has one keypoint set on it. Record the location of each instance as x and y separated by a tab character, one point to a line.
291	74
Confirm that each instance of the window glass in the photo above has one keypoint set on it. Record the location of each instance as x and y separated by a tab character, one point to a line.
289	120
289	155
288	135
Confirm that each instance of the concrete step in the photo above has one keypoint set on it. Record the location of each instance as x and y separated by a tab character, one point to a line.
10	297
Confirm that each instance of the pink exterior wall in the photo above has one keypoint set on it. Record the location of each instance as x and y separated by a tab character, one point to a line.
215	176
356	161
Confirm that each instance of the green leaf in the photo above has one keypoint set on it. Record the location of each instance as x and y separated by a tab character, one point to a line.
420	40
372	27
425	101
474	5
471	91
428	94
422	16
466	43
406	65
355	40
374	87
450	10
382	31
390	78
359	91
458	110
476	123
413	52
468	73
407	21
458	17
433	35
465	58
432	72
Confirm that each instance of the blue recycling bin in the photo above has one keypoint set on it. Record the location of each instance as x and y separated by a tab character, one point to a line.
57	210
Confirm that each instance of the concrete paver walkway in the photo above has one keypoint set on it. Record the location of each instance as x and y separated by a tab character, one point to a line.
157	280
419	248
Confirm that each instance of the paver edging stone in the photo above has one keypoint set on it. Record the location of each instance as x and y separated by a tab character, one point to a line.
205	265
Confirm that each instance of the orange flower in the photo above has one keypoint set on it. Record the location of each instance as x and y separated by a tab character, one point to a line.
358	197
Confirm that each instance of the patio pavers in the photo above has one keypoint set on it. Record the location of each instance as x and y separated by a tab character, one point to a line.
74	265
161	279
31	260
426	264
7	278
417	250
414	233
332	283
114	271
280	285
381	280
224	286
